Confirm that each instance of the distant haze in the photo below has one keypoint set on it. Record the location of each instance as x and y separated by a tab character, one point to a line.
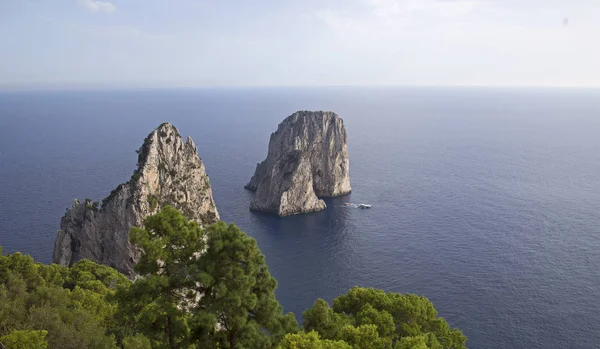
198	43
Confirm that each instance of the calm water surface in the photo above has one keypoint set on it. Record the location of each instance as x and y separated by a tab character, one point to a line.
487	201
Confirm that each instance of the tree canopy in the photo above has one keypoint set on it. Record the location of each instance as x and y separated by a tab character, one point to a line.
386	319
198	288
238	306
58	306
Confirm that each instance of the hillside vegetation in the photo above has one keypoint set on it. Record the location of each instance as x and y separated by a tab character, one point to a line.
223	297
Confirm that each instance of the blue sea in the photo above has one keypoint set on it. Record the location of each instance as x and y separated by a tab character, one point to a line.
486	201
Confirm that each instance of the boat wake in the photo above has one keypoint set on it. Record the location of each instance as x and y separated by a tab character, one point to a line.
348	204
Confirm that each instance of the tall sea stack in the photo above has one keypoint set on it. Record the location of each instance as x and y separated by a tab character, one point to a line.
169	172
307	160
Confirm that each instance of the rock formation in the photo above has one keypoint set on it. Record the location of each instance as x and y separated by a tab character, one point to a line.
169	171
307	159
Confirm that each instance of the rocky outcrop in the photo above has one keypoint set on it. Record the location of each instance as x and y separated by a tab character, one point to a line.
169	172
307	159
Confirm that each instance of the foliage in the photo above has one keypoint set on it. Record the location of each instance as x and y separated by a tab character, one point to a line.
156	304
323	319
91	205
27	339
72	304
418	342
238	308
367	315
112	194
365	337
310	340
135	176
153	202
198	288
138	341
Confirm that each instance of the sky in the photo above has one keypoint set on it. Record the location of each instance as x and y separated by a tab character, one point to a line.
206	43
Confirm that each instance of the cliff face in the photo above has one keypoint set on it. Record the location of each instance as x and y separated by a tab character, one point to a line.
307	159
169	172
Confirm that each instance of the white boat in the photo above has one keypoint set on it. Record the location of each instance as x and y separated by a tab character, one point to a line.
364	206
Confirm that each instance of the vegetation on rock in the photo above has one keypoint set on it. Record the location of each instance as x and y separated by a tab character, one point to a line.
153	202
101	232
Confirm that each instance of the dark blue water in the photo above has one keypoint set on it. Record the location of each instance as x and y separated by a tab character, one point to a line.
486	201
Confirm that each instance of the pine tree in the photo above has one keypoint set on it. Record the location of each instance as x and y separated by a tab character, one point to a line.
238	308
157	303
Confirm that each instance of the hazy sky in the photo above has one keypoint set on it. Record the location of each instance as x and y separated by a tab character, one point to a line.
165	43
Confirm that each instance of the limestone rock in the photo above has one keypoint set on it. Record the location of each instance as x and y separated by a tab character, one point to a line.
169	172
307	159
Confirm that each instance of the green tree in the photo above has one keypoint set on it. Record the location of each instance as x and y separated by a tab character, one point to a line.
383	320
198	289
157	303
27	339
138	341
324	320
394	316
34	296
418	342
365	337
238	308
310	340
